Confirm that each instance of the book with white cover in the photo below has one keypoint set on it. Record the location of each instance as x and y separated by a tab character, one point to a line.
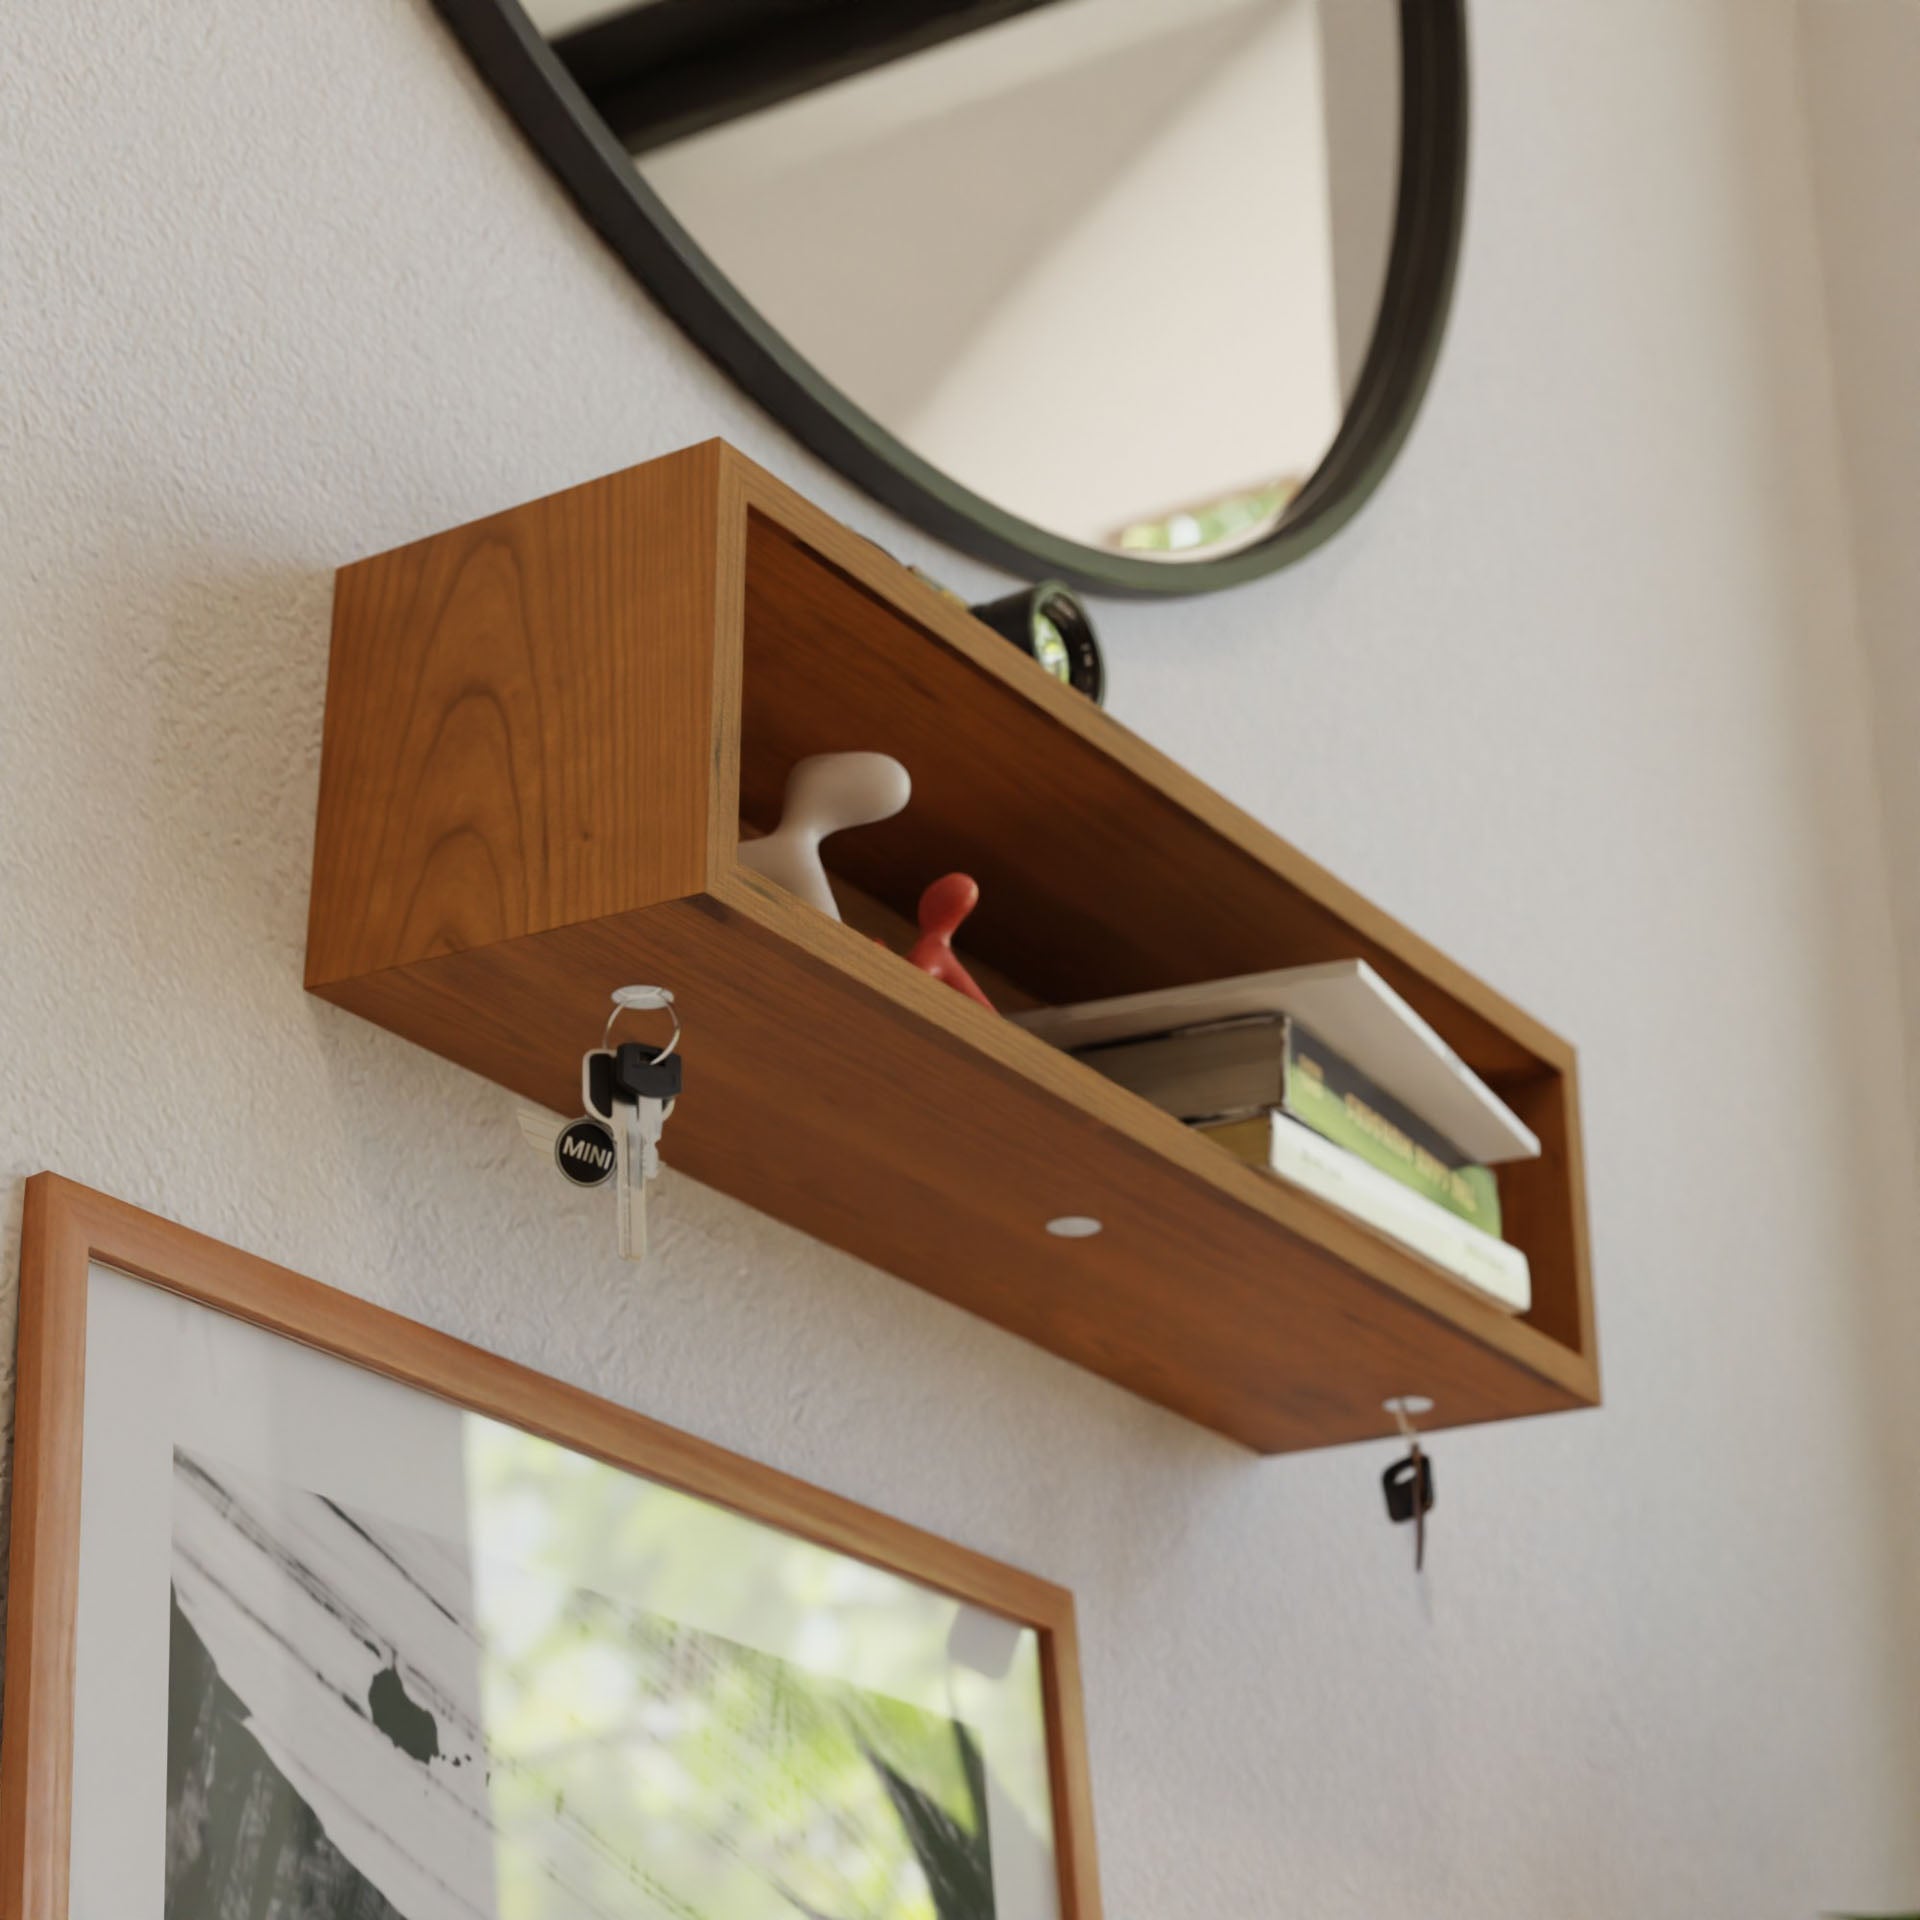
1353	1011
1490	1269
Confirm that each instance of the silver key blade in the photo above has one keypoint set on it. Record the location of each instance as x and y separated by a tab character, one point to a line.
651	1116
629	1183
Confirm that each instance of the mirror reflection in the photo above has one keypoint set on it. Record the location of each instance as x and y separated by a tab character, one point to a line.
1110	265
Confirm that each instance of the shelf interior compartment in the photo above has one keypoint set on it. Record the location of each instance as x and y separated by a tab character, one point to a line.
1094	880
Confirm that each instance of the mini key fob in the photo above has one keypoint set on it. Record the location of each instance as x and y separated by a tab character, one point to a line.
583	1150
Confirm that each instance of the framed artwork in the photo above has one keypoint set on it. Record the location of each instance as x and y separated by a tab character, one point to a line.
320	1615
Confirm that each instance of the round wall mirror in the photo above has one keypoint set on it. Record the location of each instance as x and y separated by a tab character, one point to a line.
1138	295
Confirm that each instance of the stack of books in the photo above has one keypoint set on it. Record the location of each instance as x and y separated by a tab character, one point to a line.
1324	1077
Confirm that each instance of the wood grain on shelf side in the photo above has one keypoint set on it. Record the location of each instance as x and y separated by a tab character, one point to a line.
520	727
69	1227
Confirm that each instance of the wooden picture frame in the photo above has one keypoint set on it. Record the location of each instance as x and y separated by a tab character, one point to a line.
69	1230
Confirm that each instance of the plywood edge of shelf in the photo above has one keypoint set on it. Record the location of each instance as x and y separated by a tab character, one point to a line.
958	1021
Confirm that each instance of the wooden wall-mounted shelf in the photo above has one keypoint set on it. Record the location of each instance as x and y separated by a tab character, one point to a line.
545	733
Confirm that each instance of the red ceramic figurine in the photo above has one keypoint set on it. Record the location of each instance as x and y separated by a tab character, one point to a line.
942	907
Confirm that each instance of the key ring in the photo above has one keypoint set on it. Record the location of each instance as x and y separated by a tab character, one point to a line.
643	1000
1407	1408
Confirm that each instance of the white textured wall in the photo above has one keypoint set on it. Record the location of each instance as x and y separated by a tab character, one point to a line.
1862	60
1579	696
1861	72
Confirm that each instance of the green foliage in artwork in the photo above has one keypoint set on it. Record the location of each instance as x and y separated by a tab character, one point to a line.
954	1854
638	1762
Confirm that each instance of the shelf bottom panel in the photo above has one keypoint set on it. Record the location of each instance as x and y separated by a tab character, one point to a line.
836	1108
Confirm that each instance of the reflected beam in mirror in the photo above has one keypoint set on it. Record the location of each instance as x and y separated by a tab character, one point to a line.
667	69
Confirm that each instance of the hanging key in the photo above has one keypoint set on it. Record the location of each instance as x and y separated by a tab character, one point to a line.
1408	1483
632	1088
629	1093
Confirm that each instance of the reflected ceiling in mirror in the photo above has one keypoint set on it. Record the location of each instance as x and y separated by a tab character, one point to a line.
1093	287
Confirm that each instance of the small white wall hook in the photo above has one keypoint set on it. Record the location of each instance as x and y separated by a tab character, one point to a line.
643	1000
1406	1408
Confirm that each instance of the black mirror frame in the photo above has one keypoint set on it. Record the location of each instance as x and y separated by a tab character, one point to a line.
564	127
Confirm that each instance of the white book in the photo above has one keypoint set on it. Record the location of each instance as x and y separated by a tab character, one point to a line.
1491	1269
1353	1011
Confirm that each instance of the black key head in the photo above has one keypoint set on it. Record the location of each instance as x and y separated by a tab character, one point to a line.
641	1073
1408	1485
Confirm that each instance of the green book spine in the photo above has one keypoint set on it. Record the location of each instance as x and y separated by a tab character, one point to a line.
1342	1105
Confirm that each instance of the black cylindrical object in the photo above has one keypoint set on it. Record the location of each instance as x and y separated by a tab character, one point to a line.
1048	623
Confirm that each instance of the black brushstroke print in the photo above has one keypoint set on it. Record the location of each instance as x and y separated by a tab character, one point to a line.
404	1721
241	1842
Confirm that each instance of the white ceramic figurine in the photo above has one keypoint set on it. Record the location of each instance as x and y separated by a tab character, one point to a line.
826	792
